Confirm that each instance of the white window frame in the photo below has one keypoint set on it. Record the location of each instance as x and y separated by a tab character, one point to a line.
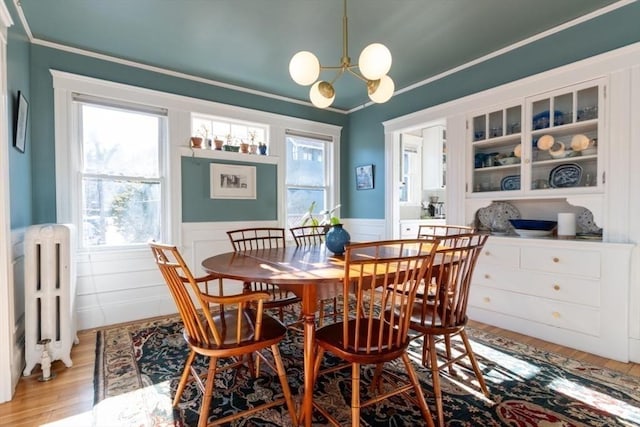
180	110
331	198
68	148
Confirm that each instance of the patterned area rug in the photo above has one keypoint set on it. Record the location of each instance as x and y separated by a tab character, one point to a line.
138	366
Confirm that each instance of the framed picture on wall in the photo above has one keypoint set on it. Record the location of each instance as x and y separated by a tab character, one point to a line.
21	123
232	182
364	177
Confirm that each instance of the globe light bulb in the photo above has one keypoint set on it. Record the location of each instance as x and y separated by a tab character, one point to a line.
322	94
374	61
383	91
304	68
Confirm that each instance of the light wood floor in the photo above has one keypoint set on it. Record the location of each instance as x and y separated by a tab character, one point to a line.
67	400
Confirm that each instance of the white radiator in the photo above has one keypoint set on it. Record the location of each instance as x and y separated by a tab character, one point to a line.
50	291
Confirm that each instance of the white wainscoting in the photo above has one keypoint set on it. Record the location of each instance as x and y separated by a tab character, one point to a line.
365	230
115	287
17	302
126	286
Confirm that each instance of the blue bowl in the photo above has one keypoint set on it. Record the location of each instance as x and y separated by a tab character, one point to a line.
533	224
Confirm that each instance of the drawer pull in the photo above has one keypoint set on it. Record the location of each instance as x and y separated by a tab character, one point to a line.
556	314
487	253
556	259
486	299
556	287
487	276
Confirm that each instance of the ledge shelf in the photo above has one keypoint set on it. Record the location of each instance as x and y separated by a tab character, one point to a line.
206	153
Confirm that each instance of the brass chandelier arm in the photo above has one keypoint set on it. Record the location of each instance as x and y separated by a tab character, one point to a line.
376	58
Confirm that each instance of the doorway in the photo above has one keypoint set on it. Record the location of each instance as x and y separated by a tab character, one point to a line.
416	186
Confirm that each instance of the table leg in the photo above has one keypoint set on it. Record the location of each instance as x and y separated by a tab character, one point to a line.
309	357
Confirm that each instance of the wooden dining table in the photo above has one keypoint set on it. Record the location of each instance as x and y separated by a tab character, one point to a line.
312	273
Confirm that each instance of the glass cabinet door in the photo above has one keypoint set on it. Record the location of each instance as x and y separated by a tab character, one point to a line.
548	145
564	139
496	150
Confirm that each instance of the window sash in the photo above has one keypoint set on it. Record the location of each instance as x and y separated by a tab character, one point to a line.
123	216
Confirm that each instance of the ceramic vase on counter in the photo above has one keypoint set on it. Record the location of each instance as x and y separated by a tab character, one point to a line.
336	239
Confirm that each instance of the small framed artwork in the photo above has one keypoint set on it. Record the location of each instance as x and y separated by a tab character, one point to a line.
364	177
21	123
232	182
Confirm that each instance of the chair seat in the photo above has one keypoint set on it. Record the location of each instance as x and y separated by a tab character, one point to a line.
331	336
272	331
430	322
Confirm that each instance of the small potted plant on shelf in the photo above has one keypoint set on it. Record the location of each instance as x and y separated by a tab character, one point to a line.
253	147
202	135
230	145
218	143
244	147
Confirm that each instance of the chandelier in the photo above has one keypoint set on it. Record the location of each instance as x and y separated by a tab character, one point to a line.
374	64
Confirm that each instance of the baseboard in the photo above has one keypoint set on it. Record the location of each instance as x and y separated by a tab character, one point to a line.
634	350
124	311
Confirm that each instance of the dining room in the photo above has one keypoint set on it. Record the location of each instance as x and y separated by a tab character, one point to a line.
72	160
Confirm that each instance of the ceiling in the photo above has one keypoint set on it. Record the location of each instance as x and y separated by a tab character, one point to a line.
249	43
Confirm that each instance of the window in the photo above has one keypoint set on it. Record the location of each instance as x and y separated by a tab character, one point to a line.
120	173
411	168
307	175
232	132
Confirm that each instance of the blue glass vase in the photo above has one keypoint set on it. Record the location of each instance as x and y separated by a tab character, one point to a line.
336	239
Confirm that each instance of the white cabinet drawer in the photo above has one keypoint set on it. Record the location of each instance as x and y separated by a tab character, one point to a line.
487	274
408	231
558	314
552	286
501	255
567	261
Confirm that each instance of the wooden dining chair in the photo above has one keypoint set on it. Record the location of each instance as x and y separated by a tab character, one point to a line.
264	238
221	328
367	334
442	313
311	235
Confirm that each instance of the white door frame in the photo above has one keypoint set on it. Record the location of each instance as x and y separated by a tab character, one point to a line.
6	271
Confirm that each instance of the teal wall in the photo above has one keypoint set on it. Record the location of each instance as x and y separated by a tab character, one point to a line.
33	173
43	59
364	142
19	163
197	205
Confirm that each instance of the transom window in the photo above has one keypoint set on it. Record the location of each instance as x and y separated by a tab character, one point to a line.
232	132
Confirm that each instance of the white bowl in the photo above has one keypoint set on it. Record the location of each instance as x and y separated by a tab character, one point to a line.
532	233
557	151
508	160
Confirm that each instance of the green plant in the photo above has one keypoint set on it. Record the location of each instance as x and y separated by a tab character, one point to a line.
203	132
328	218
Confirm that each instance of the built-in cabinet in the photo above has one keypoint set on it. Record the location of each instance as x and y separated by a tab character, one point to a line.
582	292
538	156
570	293
543	145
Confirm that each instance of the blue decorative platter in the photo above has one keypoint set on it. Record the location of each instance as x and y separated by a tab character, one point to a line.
542	120
565	175
511	182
